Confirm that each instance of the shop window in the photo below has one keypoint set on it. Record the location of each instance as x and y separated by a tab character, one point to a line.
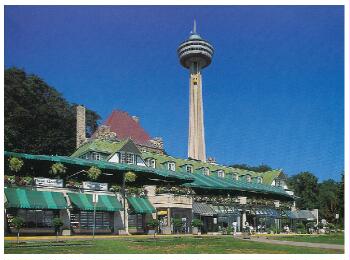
33	218
84	220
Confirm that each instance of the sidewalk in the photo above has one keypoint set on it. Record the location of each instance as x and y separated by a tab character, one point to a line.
293	243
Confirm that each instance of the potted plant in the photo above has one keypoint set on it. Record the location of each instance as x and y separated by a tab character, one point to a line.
17	223
196	226
94	173
57	223
153	225
57	169
177	224
15	164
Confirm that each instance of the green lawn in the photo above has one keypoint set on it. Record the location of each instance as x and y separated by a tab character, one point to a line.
163	245
326	239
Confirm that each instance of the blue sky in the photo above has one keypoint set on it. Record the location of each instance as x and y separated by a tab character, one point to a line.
273	93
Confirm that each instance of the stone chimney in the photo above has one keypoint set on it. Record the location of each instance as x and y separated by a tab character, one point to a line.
81	127
136	119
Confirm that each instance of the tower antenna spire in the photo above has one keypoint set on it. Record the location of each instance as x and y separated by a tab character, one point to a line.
194	26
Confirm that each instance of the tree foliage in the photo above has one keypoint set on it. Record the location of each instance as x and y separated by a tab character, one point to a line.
38	119
260	168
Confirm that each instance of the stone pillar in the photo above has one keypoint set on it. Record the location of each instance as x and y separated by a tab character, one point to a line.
196	142
81	127
65	217
244	218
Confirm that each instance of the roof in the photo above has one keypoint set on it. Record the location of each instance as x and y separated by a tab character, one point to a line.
124	126
109	147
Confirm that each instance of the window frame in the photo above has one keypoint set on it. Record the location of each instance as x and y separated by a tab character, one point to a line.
171	166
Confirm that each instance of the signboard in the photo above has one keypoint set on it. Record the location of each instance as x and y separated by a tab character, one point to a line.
48	182
88	185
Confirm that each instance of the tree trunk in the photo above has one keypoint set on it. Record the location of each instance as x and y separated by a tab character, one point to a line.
17	236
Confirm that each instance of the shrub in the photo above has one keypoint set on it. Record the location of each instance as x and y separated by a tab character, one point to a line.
16	164
196	223
177	223
300	228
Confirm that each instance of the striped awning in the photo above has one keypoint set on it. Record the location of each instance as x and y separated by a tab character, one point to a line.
105	202
203	209
32	199
141	205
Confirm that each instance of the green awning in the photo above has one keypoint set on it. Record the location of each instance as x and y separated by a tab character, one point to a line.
105	202
141	205
31	199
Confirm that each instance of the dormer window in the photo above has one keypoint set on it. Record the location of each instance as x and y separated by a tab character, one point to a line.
150	162
189	169
249	178
95	156
259	180
221	174
206	171
171	166
235	176
128	158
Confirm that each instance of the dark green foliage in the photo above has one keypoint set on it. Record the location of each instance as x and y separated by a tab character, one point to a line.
17	223
38	119
177	223
260	168
305	186
153	224
197	223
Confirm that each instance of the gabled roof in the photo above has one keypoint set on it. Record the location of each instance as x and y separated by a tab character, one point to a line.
125	127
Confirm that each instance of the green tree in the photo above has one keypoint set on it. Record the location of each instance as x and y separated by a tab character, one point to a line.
57	224
17	223
153	225
305	186
177	224
38	119
260	168
328	200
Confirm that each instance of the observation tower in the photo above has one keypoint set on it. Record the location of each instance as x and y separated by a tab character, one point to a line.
195	54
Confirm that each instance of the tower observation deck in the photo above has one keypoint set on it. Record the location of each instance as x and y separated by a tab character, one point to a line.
195	54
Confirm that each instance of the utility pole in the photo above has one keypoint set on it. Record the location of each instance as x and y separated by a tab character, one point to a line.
94	201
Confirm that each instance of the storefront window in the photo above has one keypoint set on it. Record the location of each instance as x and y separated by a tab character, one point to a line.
33	218
85	220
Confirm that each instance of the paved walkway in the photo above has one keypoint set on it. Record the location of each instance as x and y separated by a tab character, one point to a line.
294	243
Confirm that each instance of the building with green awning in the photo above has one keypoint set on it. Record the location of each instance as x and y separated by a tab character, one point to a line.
105	202
31	199
141	205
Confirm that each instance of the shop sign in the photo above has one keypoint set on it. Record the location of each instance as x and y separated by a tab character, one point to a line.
48	182
162	212
88	185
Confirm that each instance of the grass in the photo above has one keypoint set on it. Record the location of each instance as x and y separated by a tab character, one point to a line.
163	245
337	239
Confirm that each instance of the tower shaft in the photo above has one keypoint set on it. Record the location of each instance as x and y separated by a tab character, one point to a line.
196	142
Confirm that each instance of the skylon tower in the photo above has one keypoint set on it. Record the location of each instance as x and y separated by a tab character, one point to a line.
195	54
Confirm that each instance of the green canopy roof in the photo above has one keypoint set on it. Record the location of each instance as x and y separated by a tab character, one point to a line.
141	205
154	175
105	202
30	199
216	183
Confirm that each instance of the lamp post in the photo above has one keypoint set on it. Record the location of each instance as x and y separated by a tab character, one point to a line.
94	201
337	220
124	200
